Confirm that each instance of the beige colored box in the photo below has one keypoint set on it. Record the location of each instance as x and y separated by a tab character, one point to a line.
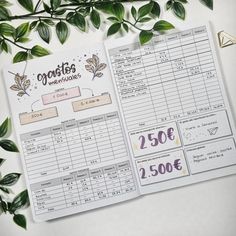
61	95
36	116
91	102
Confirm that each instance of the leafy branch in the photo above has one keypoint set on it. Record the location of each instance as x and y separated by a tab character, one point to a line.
21	200
95	67
60	14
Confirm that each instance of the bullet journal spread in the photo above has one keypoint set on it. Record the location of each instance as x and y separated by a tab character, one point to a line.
110	123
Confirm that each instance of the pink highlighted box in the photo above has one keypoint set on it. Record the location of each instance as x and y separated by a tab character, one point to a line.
61	95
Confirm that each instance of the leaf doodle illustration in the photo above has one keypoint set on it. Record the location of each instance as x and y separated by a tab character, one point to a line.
21	85
94	66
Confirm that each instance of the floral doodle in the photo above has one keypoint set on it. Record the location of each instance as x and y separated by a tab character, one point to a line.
95	67
21	85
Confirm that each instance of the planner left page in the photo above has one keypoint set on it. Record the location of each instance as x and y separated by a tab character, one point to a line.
69	133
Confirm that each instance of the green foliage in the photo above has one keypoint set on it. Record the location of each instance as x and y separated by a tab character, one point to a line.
10	179
145	36
177	7
6	144
38	51
4	127
114	28
208	3
20	220
179	10
162	25
95	18
43	31
20	56
27	4
21	200
58	14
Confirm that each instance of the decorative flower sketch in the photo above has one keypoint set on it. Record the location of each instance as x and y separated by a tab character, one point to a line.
95	67
21	85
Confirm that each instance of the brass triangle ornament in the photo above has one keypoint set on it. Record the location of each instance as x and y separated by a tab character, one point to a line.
226	39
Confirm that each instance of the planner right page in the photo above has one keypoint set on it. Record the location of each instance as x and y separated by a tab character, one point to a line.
175	109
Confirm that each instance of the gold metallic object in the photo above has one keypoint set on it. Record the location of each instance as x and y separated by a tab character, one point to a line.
226	39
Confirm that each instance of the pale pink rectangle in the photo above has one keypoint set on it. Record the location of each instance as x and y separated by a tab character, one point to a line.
61	95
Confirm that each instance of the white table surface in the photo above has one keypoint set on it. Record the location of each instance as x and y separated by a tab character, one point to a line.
207	208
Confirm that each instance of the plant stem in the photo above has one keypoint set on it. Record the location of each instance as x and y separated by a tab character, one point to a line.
37	5
135	26
47	17
77	5
14	43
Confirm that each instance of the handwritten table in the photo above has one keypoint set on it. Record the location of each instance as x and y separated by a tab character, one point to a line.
62	147
173	76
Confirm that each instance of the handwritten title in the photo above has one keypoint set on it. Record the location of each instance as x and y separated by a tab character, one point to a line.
63	73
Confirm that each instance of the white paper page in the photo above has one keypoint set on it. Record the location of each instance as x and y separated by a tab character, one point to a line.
69	131
178	121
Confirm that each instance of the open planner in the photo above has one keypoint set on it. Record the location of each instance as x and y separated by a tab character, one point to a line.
109	123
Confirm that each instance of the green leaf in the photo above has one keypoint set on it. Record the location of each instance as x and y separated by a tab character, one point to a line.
5	190
145	36
169	5
4	127
20	220
48	22
8	145
4	3
6	29
4	14
44	32
145	9
145	19
126	27
79	21
179	10
60	12
134	12
208	3
62	31
22	30
95	19
55	4
5	46
46	8
84	11
23	40
8	205
27	4
112	18
33	24
39	51
162	25
118	11
106	7
21	200
20	56
156	9
1	161
114	28
3	205
10	179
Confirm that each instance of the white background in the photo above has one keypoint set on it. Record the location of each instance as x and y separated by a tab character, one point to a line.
207	208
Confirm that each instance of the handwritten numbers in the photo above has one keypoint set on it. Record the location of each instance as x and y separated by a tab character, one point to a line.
154	139
160	169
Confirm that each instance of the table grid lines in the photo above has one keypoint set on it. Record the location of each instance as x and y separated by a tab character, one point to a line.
73	144
166	80
82	187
